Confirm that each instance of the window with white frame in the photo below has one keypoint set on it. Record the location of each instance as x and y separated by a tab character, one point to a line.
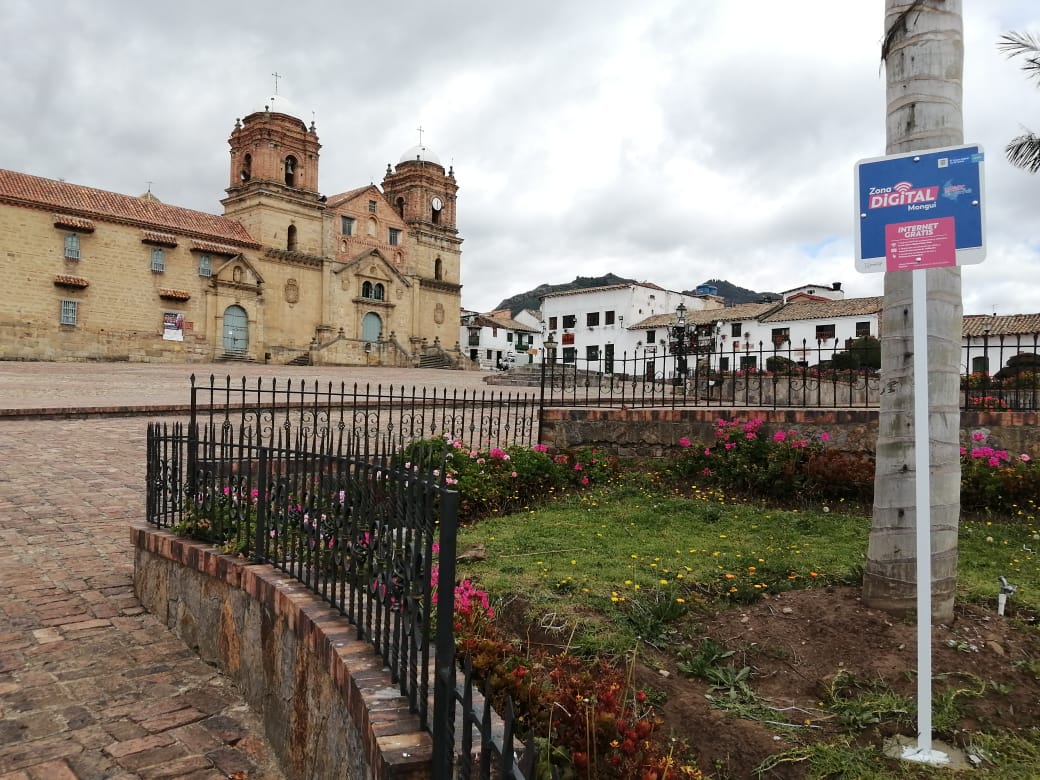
158	260
71	246
205	265
69	310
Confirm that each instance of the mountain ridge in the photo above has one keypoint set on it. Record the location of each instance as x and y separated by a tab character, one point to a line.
732	294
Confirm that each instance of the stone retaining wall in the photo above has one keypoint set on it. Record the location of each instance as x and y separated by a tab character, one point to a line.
328	707
655	432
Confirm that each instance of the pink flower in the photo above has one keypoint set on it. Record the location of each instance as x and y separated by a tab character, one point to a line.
1024	458
584	480
751	435
684	442
513	475
779	436
963	451
707	451
978	436
994	462
731	444
540	448
825	436
577	467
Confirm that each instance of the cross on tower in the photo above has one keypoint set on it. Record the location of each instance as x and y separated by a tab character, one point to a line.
419	128
277	76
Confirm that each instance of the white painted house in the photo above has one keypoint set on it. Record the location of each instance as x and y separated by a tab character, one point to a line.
595	324
496	341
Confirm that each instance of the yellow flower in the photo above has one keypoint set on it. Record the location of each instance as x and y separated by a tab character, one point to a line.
680	600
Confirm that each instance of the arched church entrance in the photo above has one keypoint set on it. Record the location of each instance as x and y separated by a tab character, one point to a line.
236	329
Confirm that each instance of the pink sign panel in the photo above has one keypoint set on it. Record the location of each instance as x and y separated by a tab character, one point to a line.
926	244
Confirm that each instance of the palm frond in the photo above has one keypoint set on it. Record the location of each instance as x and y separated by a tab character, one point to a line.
1027	45
1024	152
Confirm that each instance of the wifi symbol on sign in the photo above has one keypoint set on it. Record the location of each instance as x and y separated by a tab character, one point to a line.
903	186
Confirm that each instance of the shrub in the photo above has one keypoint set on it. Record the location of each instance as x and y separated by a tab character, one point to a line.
986	403
496	480
994	480
743	459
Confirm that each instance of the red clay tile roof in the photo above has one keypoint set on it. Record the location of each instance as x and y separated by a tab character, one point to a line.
63	280
815	310
1003	325
163	239
215	249
174	295
21	189
75	223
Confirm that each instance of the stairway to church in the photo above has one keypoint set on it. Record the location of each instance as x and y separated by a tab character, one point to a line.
235	357
435	360
303	359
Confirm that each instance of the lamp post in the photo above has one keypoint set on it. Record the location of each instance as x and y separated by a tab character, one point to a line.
680	346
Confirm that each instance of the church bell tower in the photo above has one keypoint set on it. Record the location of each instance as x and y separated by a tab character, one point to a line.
273	186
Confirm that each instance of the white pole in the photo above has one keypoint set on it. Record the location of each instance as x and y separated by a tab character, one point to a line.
922	464
923	514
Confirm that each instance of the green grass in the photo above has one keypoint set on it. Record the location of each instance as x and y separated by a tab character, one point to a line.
633	563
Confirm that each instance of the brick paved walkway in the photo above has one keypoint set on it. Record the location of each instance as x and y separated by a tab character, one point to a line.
91	686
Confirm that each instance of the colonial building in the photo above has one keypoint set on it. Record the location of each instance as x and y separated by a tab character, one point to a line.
286	274
497	341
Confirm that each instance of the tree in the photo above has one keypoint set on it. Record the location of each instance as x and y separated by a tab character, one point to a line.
1024	150
923	56
864	352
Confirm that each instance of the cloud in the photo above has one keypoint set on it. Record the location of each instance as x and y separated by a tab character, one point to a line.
671	140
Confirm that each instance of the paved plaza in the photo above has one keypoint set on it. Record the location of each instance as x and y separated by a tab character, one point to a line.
92	686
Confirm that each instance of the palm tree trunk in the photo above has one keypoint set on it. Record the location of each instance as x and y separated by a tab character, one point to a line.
924	58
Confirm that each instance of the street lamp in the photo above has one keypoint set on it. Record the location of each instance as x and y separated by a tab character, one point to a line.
680	347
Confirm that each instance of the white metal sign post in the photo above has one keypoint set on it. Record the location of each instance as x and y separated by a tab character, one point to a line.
918	211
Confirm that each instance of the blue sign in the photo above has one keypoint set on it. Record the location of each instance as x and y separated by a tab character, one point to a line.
921	209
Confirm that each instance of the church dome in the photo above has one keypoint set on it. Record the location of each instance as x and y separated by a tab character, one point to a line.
279	104
422	153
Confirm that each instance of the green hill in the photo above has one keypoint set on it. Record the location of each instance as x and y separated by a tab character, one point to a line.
532	298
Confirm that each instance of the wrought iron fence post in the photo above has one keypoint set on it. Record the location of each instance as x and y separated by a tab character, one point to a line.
262	498
193	442
444	658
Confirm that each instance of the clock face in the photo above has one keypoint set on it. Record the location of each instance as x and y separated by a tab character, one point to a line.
437	204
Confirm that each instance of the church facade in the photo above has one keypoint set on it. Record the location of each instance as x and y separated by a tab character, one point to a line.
367	277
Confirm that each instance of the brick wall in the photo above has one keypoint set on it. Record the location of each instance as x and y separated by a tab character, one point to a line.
328	707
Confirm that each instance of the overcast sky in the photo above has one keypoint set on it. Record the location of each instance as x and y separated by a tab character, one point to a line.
672	141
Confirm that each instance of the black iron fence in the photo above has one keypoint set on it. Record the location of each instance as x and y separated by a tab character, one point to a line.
290	486
782	374
364	420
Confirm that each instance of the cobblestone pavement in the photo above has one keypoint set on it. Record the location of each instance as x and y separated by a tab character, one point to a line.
57	386
92	686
